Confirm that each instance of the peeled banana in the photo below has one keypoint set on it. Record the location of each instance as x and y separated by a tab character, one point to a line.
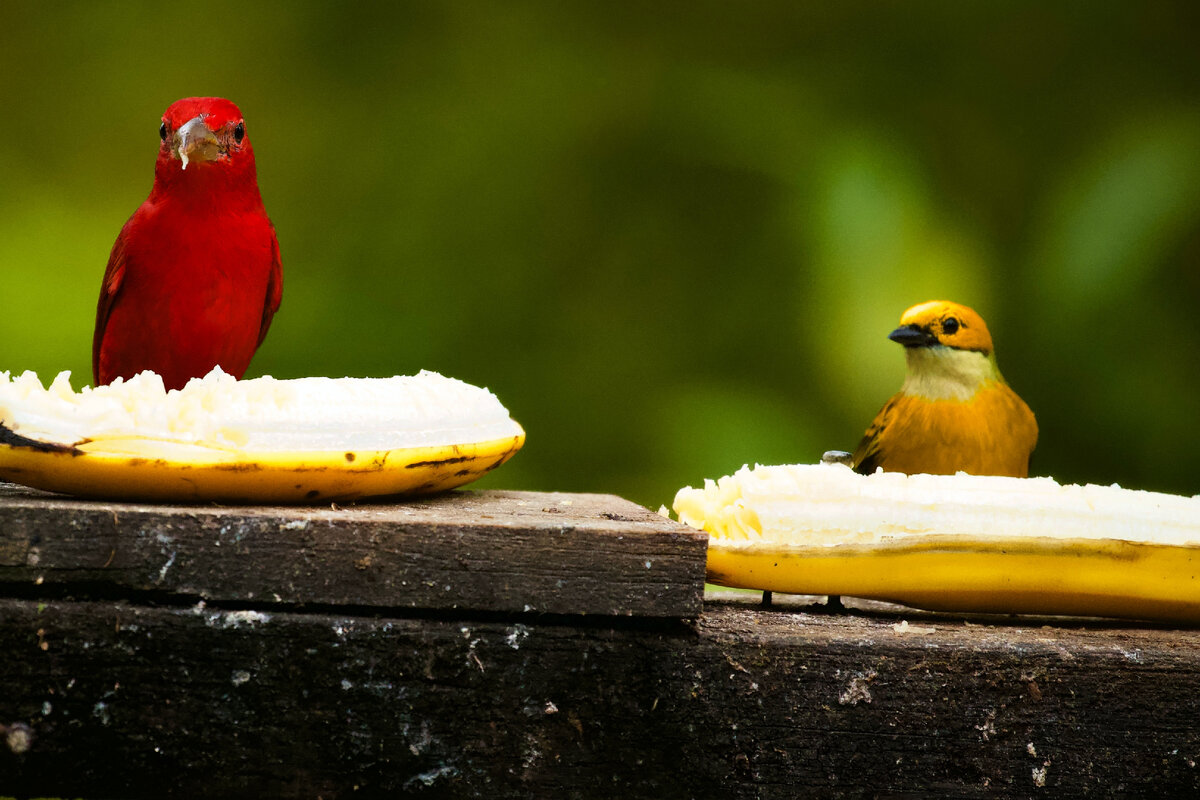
952	542
308	440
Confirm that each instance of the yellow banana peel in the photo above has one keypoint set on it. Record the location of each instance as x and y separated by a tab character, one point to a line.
952	543
258	441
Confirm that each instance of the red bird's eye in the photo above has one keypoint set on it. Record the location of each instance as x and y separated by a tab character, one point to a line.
162	131
239	132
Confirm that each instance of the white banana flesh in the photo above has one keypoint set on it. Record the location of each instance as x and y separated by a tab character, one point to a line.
261	440
952	542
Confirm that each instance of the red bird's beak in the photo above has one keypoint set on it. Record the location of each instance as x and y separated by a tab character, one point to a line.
194	141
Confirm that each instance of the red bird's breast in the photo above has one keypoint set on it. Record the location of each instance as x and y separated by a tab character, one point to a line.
192	296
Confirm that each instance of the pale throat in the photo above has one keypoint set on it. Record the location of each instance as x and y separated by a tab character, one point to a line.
943	373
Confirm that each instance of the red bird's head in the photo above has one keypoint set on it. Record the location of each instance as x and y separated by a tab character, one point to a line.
204	138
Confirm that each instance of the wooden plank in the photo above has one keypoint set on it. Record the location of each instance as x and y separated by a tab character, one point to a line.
495	551
745	703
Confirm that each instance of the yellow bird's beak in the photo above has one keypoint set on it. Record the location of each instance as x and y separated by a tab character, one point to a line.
912	336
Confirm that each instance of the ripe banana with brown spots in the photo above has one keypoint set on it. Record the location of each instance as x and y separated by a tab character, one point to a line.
309	440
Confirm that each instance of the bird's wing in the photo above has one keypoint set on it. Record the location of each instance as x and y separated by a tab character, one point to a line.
869	453
114	274
274	289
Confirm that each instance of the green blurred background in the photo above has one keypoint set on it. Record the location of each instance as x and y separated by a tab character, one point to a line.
672	237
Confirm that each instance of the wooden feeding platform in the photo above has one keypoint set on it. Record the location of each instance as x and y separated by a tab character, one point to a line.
518	644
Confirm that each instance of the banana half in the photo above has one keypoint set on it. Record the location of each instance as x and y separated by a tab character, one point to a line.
310	440
952	543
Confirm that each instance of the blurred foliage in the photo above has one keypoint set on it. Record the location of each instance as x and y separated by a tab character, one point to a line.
672	237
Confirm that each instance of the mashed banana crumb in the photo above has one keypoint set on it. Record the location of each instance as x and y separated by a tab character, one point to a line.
263	414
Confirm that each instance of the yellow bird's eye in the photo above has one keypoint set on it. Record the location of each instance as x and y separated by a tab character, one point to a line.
950	326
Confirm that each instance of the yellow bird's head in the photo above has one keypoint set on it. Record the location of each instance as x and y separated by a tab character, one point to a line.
948	350
945	324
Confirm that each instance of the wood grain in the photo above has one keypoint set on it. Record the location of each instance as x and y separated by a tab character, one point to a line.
493	551
519	645
134	701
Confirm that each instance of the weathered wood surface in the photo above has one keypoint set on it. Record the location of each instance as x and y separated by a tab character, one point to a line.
483	551
128	701
530	645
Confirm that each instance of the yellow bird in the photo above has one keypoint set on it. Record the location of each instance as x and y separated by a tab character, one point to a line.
954	412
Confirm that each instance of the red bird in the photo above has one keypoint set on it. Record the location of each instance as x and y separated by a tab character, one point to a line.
194	277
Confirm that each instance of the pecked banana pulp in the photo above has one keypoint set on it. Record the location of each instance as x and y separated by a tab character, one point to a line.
309	440
952	542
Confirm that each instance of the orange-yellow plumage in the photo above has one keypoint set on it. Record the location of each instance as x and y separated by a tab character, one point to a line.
954	412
